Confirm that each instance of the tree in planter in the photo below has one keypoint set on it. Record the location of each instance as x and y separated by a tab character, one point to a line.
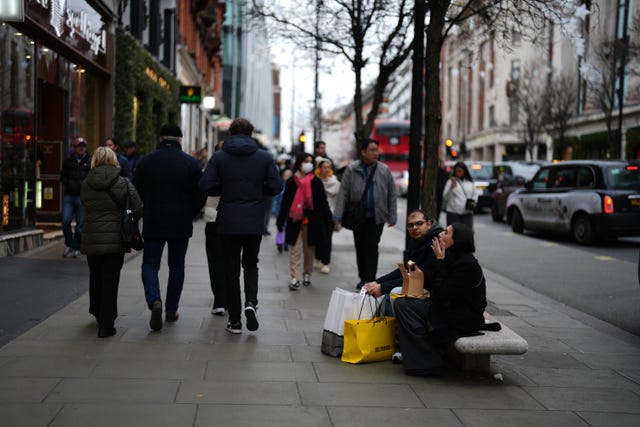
562	98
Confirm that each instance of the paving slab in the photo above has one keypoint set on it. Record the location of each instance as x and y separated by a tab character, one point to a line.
262	415
158	369
385	417
28	415
123	390
602	419
229	371
470	395
586	399
26	390
109	414
521	418
597	378
265	393
67	367
351	394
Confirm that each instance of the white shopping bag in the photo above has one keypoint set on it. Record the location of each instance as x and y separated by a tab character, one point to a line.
346	305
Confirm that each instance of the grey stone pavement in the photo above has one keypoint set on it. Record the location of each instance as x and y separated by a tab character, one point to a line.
578	372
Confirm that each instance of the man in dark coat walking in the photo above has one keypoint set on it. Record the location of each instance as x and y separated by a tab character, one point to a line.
242	175
167	181
74	170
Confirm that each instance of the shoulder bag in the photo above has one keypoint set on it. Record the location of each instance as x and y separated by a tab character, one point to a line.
470	203
355	213
131	237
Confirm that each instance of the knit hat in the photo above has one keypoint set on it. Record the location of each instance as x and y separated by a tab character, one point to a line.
170	131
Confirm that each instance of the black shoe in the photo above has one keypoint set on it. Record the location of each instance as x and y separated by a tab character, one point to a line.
280	248
171	317
252	318
104	332
156	316
360	284
234	328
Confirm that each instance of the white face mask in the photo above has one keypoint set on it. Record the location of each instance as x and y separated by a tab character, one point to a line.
306	167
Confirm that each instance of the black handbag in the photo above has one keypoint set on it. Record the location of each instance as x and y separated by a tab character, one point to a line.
470	204
131	237
355	212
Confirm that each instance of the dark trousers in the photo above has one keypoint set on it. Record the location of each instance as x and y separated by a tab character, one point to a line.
366	238
420	355
104	278
241	249
151	257
215	261
323	245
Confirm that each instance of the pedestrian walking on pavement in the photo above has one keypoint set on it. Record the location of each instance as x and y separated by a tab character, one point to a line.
304	214
112	143
457	190
324	171
281	245
242	175
102	238
167	180
215	254
454	309
371	182
74	170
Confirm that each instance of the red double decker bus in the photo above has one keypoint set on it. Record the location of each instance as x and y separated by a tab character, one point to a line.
393	136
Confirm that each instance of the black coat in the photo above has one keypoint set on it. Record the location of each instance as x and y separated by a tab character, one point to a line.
318	216
167	181
74	171
458	293
420	253
242	175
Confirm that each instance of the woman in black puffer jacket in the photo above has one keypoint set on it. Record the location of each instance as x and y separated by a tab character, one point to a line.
454	309
102	238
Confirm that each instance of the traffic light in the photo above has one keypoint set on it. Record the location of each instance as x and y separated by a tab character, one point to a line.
454	154
448	143
302	138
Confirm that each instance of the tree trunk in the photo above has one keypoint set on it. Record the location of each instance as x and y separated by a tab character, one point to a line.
433	119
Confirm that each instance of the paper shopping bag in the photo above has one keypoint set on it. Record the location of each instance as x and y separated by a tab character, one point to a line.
370	340
412	283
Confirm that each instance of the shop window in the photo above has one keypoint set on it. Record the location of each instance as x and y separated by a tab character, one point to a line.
17	133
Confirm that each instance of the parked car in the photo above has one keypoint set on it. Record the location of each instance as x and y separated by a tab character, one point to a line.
589	199
510	176
482	174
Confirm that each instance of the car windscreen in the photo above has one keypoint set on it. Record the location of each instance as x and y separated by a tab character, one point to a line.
480	172
525	170
624	177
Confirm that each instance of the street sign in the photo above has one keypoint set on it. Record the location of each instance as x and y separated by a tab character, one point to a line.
190	94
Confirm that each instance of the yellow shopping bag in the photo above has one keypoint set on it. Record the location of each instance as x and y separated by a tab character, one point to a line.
370	340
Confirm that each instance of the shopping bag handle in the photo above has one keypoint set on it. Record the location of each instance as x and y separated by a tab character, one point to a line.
378	309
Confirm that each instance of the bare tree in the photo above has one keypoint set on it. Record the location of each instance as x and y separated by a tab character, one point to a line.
498	17
533	105
369	34
562	97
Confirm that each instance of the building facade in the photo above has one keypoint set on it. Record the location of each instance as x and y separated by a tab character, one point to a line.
56	83
484	83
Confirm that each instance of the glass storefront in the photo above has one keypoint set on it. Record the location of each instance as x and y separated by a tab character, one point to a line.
48	96
17	137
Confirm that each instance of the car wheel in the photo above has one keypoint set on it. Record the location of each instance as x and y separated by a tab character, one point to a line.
517	223
581	230
494	213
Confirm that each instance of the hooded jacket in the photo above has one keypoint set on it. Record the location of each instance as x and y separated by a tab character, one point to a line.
103	218
241	174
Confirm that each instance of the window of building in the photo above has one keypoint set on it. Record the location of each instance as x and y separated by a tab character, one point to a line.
515	69
492	116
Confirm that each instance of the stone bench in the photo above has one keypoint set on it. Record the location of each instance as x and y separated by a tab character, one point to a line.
474	353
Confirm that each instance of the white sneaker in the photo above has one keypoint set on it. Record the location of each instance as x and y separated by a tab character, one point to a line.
77	253
325	269
397	357
218	311
67	252
317	264
294	285
306	279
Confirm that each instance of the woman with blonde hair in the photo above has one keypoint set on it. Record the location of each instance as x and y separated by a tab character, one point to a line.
103	194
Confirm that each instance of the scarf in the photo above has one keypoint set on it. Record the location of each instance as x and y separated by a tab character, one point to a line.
302	200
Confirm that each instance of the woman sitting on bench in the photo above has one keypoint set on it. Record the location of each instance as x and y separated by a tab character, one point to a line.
454	309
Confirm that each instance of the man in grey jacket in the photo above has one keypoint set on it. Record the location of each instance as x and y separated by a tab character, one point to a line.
380	206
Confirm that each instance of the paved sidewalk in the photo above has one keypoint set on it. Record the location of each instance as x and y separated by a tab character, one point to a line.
578	371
